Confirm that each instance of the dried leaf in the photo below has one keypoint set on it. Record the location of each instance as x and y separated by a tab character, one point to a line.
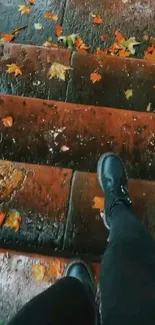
68	41
104	37
80	46
32	2
13	220
64	148
101	52
98	203
150	53
146	37
58	31
7	38
38	271
95	77
97	19
38	26
17	30
47	44
119	36
124	53
51	16
24	9
7	121
2	217
129	44
54	269
129	93
58	71
149	107
13	68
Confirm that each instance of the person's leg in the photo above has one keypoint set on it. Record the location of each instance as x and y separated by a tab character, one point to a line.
127	277
69	301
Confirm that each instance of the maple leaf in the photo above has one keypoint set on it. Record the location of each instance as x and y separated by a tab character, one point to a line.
119	36
80	46
13	68
97	19
58	71
54	269
95	77
24	9
101	52
128	93
51	16
7	121
124	53
13	220
38	271
129	44
32	2
2	217
58	31
68	41
98	203
7	38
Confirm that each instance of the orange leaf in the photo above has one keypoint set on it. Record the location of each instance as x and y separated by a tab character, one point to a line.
78	42
13	68
119	36
97	19
95	77
32	2
149	55
58	31
146	37
24	9
99	51
104	37
55	268
13	220
124	53
51	16
80	46
7	38
38	271
7	121
47	44
2	217
98	203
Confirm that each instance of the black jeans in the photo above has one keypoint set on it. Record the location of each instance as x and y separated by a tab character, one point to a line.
127	283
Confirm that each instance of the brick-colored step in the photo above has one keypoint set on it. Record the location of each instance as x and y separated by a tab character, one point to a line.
18	284
74	136
118	75
58	212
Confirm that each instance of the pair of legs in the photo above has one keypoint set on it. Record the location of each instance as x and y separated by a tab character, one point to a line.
127	275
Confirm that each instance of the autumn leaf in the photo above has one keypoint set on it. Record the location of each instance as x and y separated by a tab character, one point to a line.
124	53
149	107
32	2
2	217
51	16
80	46
128	93
150	53
146	37
17	30
95	77
119	36
13	68
13	220
101	52
47	44
64	148
58	71
7	121
38	271
104	37
7	38
129	44
38	26
68	41
98	203
54	269
97	19
24	9
58	31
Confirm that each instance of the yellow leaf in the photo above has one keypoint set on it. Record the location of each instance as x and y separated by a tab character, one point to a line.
149	107
13	220
13	68
24	9
129	93
58	71
69	40
98	203
129	44
38	271
49	15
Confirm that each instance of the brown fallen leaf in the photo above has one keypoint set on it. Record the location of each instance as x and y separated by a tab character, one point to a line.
97	19
104	37
128	93
54	269
24	9
94	77
146	37
124	53
7	121
7	38
80	45
119	36
13	220
14	68
2	217
154	86
51	16
58	71
101	52
58	31
38	271
150	53
47	44
98	203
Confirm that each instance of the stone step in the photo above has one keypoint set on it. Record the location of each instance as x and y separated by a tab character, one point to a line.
75	136
60	210
118	76
18	283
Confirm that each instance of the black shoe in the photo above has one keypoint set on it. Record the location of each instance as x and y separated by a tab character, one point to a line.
113	180
80	270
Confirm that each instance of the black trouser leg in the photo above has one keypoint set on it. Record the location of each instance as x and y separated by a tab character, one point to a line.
127	280
64	303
